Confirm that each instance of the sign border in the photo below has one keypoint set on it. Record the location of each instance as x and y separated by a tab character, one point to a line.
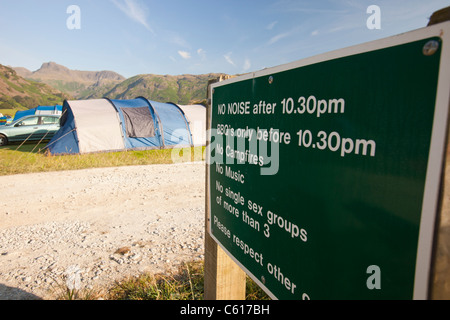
438	141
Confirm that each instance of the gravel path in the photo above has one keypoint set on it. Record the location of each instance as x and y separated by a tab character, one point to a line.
96	226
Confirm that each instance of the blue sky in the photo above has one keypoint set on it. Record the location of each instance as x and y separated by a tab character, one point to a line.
194	36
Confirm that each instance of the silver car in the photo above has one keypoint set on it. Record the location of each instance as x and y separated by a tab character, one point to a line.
34	127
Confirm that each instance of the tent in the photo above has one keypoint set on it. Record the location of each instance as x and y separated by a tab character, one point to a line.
100	125
5	119
39	110
196	115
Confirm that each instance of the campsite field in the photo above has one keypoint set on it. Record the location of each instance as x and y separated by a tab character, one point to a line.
105	215
97	226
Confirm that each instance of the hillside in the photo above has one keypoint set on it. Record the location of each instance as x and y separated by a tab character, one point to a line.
19	93
74	82
182	89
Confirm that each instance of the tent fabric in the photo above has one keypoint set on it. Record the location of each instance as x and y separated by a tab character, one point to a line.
100	125
196	115
65	140
97	125
175	129
40	110
138	122
137	142
46	110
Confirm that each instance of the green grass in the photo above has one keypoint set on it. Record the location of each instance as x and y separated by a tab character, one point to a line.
30	158
11	112
187	283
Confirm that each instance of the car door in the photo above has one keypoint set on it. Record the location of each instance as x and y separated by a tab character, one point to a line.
26	129
47	127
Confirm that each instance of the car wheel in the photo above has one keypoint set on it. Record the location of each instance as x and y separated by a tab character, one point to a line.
3	140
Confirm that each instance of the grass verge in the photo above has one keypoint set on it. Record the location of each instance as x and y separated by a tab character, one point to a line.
29	158
184	284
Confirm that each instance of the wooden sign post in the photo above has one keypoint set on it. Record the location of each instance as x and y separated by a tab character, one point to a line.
224	279
440	286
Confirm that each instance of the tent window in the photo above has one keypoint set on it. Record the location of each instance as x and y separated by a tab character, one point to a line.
138	122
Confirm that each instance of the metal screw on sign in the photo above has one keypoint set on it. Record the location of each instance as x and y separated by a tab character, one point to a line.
263	280
430	47
270	80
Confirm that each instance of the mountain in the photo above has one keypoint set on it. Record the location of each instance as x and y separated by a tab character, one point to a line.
74	82
17	92
181	89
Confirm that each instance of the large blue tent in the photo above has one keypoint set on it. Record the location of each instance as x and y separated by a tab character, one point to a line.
100	125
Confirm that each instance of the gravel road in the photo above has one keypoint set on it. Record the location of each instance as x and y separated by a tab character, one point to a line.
96	226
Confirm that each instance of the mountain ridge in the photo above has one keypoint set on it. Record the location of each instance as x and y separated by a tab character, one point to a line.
73	82
183	89
50	70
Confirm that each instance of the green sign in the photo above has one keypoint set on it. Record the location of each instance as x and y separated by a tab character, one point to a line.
320	170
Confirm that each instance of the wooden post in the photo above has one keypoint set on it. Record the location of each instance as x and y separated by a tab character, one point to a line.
440	270
440	279
224	279
439	16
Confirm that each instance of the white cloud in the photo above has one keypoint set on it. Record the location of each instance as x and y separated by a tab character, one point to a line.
228	58
247	64
278	37
315	33
175	38
184	54
134	10
271	25
201	53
